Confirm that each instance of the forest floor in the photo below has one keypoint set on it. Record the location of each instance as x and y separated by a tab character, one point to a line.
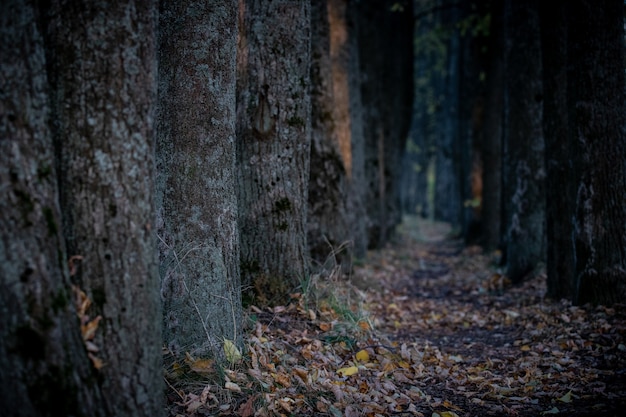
425	327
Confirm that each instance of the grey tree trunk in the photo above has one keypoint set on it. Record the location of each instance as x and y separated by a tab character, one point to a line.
273	144
44	368
103	71
328	223
597	116
196	201
524	173
346	60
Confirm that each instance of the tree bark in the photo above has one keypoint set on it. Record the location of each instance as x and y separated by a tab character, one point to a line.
595	97
492	136
103	71
196	198
524	173
273	144
328	225
560	177
44	368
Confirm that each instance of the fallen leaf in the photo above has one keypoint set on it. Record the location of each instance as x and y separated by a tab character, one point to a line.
362	356
567	398
231	386
351	370
233	355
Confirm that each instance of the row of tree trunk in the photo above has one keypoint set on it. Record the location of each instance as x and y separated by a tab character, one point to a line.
158	157
524	132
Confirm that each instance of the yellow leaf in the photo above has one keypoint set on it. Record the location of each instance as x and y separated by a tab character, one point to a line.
233	354
525	348
348	371
567	398
449	414
202	366
362	356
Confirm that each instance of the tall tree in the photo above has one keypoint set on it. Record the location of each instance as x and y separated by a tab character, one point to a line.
491	200
386	63
273	141
102	61
348	110
44	368
524	172
328	216
560	184
596	118
197	207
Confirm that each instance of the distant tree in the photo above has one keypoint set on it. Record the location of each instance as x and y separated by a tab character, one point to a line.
44	368
524	173
589	181
102	66
197	207
273	144
385	34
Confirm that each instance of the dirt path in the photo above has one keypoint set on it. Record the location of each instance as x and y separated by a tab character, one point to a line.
494	349
424	328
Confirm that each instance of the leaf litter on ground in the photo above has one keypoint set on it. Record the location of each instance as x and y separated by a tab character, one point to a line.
425	327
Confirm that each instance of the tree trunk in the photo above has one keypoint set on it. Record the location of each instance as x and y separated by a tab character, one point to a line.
448	202
595	96
524	172
103	66
492	136
44	368
197	207
386	58
273	144
347	116
328	235
560	177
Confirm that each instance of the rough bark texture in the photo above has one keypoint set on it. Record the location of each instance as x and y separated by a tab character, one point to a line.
492	137
560	178
350	63
196	200
524	173
44	369
328	226
273	141
103	70
595	96
347	117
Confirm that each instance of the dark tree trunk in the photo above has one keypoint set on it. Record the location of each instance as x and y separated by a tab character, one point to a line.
273	141
596	116
347	116
524	173
103	66
328	224
44	368
448	202
560	176
491	201
386	57
197	207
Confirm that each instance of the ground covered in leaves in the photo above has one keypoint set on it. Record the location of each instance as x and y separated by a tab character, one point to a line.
425	327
